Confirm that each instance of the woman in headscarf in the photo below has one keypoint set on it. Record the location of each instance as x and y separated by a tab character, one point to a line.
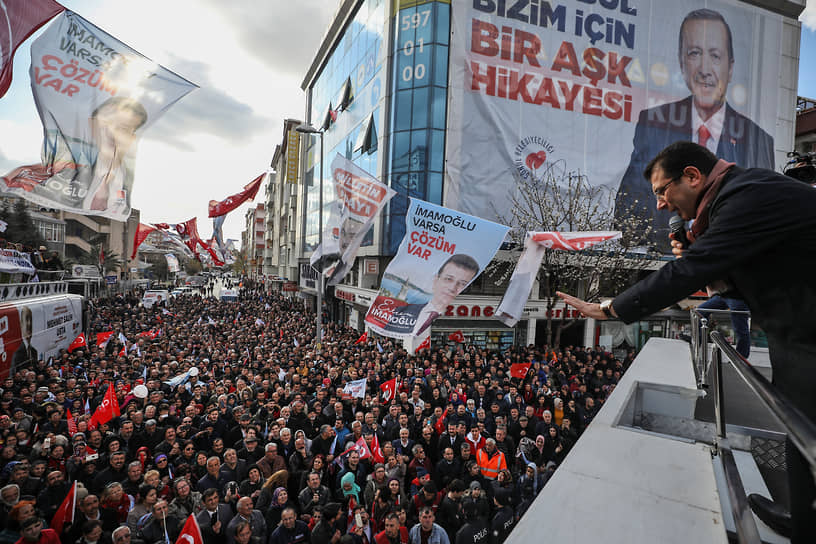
280	501
540	452
276	480
349	489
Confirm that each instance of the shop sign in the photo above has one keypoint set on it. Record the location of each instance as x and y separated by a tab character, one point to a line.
344	295
371	266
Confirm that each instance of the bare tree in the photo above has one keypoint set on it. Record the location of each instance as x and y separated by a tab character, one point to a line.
554	201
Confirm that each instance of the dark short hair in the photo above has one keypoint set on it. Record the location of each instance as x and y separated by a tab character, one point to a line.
705	14
209	493
461	260
90	525
675	157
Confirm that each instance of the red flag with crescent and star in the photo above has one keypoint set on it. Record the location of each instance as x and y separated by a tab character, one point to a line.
225	206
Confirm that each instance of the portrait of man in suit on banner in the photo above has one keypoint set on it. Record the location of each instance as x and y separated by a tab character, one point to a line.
707	58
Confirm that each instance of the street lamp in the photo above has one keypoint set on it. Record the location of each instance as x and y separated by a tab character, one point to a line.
306	128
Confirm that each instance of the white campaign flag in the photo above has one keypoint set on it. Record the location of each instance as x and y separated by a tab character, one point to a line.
442	252
96	97
359	198
535	245
356	388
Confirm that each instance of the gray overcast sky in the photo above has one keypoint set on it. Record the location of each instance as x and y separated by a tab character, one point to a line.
248	58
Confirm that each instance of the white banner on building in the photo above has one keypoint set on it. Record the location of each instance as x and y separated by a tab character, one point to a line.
95	96
172	263
599	88
535	245
360	197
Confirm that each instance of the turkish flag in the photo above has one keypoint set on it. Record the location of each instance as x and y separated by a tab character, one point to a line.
102	338
65	513
18	21
122	352
225	206
191	532
362	338
389	390
376	451
519	370
426	344
362	449
79	342
72	426
108	409
456	336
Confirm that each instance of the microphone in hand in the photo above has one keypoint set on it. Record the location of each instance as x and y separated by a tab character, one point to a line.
678	229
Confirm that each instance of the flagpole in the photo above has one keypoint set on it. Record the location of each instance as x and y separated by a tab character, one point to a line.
309	129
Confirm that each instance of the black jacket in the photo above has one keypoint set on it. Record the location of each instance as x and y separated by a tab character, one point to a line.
761	238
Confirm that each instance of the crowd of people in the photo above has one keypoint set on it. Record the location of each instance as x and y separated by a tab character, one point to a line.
262	445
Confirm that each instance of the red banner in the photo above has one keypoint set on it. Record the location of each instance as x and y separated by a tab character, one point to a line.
140	236
18	21
217	208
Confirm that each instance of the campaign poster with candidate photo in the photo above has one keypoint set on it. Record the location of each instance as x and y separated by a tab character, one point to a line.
95	96
442	252
359	198
599	88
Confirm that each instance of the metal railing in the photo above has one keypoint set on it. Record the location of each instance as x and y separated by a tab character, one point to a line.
700	326
799	429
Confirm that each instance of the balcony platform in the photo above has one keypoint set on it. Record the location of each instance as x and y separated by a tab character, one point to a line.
625	481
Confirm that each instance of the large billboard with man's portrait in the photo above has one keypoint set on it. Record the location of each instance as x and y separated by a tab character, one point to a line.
599	88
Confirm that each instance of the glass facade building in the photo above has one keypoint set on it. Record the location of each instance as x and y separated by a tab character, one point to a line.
378	91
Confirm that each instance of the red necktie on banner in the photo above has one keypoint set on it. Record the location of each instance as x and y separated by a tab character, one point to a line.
703	134
431	317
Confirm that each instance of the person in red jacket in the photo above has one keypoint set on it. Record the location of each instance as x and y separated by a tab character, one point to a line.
393	533
32	532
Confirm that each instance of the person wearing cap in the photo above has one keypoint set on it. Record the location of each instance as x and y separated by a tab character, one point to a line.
251	452
504	519
476	495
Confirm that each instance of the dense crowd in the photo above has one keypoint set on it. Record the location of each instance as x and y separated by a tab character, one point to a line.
263	446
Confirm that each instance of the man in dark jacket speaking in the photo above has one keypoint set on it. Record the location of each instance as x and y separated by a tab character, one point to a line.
754	230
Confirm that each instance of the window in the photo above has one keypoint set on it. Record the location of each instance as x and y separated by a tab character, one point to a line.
367	138
346	95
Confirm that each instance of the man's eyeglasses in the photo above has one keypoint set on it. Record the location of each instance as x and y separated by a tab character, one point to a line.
661	191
